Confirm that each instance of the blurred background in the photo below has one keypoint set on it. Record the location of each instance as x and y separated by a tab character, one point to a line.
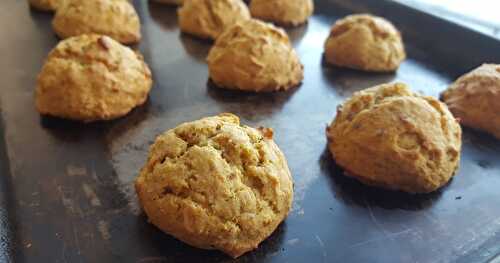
481	15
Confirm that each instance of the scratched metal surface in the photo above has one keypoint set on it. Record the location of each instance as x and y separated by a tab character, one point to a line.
66	188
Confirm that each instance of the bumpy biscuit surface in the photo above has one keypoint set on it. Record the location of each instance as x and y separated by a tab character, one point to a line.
282	12
254	56
92	77
389	137
115	18
209	18
475	99
365	42
216	184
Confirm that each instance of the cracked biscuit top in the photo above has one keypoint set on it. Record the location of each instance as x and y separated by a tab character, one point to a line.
254	56
92	77
209	18
475	99
389	137
365	42
115	18
216	184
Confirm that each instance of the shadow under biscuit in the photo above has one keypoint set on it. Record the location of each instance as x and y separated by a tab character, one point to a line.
69	130
252	106
164	15
479	156
353	192
347	81
196	48
116	128
73	131
481	139
43	22
450	69
167	248
297	33
270	246
41	15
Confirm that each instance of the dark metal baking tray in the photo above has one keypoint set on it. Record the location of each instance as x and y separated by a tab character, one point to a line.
66	188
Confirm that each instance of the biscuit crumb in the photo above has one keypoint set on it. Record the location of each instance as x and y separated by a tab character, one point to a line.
103	228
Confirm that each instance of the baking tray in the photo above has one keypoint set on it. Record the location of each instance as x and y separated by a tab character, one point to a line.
66	188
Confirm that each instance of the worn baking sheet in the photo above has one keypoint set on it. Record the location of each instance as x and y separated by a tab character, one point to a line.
66	188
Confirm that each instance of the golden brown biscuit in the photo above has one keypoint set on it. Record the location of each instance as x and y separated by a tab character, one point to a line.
115	18
216	184
92	77
254	56
170	2
475	99
209	18
45	5
389	137
365	42
282	12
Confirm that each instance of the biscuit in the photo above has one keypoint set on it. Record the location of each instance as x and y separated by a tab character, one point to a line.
282	12
45	5
114	18
475	99
209	18
365	42
254	56
170	2
90	78
216	184
389	137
